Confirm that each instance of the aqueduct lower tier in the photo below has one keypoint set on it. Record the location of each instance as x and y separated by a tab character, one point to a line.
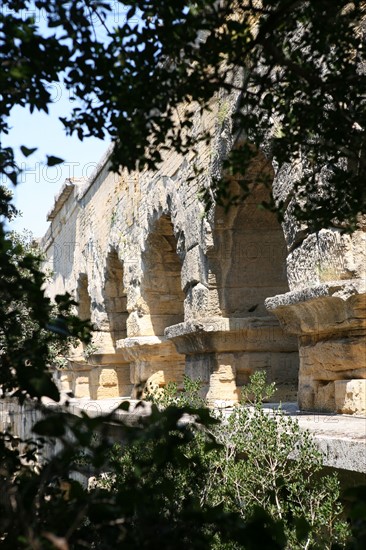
172	291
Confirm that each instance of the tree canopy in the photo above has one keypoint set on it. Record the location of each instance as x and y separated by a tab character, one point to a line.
298	67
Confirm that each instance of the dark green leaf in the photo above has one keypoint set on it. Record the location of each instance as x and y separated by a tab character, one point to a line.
27	151
52	161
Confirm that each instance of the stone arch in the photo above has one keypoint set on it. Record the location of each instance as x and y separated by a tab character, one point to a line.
159	306
246	265
109	375
115	298
76	377
161	285
248	259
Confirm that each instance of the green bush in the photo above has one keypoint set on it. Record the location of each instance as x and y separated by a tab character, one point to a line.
264	461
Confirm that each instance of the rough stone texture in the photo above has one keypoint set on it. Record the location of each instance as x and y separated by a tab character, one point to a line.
246	345
330	321
171	290
327	256
325	308
350	396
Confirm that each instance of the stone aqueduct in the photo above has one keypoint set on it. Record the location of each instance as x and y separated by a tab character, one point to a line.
170	290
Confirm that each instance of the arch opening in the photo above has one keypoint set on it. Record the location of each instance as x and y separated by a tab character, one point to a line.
247	264
249	257
161	285
115	298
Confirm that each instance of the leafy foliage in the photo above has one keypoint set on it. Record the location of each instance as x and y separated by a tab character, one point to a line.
249	461
268	461
169	395
140	70
151	499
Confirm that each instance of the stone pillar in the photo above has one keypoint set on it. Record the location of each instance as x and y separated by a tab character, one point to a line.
326	305
110	376
79	378
330	322
148	355
224	352
96	373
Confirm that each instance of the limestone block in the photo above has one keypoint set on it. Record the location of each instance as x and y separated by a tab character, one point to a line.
222	384
306	394
326	256
108	377
139	325
113	290
324	396
81	385
106	392
167	304
249	334
284	371
350	396
173	371
99	318
294	231
193	224
161	322
324	308
281	368
140	371
100	392
359	253
330	359
285	174
202	302
103	342
65	381
199	300
200	366
94	382
120	304
123	376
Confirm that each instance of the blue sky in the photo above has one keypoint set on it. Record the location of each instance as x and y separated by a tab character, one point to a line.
34	195
39	184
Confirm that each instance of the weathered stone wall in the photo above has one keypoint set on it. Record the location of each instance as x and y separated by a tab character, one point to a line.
172	291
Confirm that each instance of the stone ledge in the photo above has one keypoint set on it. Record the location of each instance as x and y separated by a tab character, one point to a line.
145	348
340	438
328	309
220	334
60	199
113	359
342	289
